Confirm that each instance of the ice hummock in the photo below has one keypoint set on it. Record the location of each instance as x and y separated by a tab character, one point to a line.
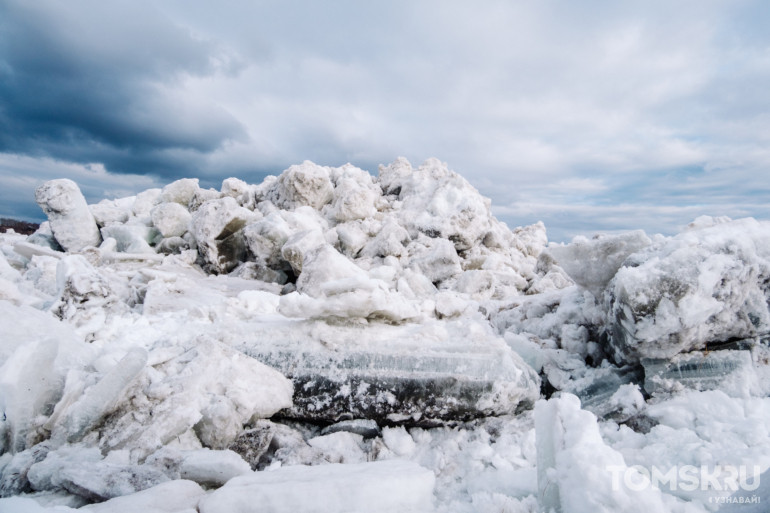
327	317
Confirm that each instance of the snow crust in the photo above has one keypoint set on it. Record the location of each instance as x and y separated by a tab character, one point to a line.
330	340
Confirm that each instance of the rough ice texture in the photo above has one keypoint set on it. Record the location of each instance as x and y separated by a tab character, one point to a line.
569	449
376	487
101	398
395	308
207	388
592	263
71	221
171	219
217	226
703	286
36	353
306	184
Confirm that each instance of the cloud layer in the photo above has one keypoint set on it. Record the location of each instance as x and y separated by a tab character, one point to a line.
592	116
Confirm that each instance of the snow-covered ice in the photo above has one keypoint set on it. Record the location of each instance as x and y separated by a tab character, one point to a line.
331	340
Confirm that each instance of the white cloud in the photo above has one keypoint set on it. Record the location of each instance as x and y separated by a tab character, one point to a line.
657	108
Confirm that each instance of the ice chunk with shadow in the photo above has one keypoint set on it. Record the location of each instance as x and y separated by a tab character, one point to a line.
98	481
703	286
217	227
132	238
597	389
99	399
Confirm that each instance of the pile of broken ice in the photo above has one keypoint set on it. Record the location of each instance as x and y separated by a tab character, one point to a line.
332	341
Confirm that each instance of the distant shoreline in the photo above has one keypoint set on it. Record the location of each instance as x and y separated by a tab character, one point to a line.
23	227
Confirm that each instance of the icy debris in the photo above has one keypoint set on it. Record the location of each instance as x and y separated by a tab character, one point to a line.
87	295
99	399
14	470
212	468
570	319
384	486
181	191
340	447
29	386
239	190
29	250
144	203
729	371
351	299
171	219
43	237
217	226
445	204
108	212
270	443
91	477
266	237
71	221
306	184
209	389
36	353
601	391
355	195
132	238
592	263
578	473
252	444
436	259
702	286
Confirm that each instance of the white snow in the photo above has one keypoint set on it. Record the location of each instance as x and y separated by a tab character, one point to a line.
375	487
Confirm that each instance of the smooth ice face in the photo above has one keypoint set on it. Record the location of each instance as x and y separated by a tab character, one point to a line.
730	371
703	286
414	374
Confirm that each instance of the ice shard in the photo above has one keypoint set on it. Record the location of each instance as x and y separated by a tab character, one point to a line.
729	370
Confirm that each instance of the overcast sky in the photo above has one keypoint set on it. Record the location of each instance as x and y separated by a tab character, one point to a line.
590	116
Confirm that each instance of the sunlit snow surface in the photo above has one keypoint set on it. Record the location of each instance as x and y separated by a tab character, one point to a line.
332	341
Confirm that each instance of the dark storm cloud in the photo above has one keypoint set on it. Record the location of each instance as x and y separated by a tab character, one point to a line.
89	81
